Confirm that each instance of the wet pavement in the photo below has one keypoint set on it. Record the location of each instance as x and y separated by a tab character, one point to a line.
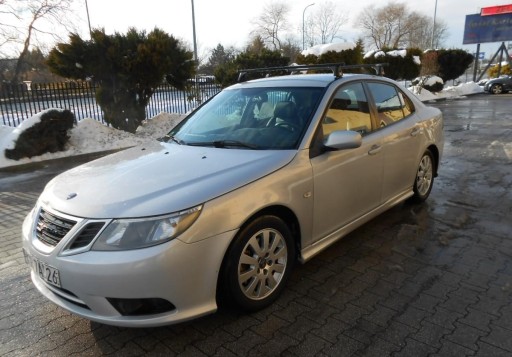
420	280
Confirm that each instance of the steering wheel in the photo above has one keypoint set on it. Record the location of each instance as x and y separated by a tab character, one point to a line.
287	125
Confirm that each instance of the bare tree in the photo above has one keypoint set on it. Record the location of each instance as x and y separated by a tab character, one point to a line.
35	20
388	26
394	26
440	33
272	22
8	32
421	35
328	20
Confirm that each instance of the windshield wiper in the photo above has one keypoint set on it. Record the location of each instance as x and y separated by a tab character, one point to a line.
166	138
224	144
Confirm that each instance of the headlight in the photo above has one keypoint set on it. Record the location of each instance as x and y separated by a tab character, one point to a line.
125	234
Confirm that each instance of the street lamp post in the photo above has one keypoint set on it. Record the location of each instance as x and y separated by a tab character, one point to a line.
88	18
194	31
434	27
303	12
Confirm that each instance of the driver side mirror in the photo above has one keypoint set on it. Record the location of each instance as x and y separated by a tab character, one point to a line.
343	139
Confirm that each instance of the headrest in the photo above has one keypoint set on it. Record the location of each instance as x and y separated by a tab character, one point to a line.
341	103
285	110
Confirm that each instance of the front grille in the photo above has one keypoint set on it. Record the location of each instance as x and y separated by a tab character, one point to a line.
51	229
86	235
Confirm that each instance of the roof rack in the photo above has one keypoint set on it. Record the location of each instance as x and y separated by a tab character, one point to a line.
336	69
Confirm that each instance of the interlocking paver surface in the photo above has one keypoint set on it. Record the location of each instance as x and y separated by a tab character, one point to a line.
420	280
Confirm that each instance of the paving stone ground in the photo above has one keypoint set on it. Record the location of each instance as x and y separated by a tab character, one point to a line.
420	280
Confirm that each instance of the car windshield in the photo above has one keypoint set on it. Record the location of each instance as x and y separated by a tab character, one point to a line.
250	118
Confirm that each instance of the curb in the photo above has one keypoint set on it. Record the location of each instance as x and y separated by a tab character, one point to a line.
41	164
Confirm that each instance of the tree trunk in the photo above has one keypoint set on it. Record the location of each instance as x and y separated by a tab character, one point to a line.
121	108
23	54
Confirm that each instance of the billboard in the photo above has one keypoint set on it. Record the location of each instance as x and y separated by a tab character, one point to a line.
492	28
495	10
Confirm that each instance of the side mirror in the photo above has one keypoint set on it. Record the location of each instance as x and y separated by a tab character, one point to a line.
343	139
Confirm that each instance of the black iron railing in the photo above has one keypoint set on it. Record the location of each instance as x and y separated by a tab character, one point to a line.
20	102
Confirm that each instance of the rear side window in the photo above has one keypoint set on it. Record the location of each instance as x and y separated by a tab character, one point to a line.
392	105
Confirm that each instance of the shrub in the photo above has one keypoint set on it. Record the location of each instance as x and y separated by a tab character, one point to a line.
352	56
453	63
493	71
47	136
402	64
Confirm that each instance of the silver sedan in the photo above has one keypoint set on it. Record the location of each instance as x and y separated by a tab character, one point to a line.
267	173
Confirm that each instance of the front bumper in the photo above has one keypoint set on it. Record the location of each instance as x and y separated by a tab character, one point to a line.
184	274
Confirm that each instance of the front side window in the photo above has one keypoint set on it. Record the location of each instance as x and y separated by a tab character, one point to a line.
392	105
348	110
252	118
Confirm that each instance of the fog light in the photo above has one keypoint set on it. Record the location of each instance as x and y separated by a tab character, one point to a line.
138	307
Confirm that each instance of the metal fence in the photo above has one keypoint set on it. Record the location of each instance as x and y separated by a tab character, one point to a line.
20	102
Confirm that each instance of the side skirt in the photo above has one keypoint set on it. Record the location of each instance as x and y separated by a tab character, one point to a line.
317	247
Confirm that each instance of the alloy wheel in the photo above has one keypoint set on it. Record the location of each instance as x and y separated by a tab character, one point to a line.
262	264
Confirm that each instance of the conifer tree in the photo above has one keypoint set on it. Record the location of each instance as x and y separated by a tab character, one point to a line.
453	63
126	67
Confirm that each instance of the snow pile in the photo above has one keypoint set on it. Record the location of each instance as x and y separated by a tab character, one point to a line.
430	80
397	53
393	53
319	50
9	135
449	92
90	136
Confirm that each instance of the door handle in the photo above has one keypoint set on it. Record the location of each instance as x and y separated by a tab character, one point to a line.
375	149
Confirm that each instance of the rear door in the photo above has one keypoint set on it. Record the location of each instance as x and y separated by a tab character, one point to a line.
398	125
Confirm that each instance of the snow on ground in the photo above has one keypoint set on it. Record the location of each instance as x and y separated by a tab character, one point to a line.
458	91
90	136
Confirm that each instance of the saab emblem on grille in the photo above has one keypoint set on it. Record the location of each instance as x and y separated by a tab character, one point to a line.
71	195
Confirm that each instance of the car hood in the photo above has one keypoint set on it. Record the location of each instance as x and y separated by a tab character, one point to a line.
157	179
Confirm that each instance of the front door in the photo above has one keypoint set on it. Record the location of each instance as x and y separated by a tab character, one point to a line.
347	183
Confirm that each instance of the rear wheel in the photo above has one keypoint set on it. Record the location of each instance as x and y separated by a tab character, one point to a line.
259	263
496	89
424	177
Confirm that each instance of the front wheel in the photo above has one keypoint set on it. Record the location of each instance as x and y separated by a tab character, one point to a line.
496	89
424	178
259	263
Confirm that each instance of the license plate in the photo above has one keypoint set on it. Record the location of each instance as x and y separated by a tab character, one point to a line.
46	272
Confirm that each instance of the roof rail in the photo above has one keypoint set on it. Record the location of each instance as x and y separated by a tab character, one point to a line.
336	69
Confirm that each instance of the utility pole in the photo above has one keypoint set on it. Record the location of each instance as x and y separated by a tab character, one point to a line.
434	28
194	31
88	18
303	12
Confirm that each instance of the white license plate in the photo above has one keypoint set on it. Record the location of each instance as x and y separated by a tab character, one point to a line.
46	272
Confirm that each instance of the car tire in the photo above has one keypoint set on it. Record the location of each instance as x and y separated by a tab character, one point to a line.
258	263
424	179
496	89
